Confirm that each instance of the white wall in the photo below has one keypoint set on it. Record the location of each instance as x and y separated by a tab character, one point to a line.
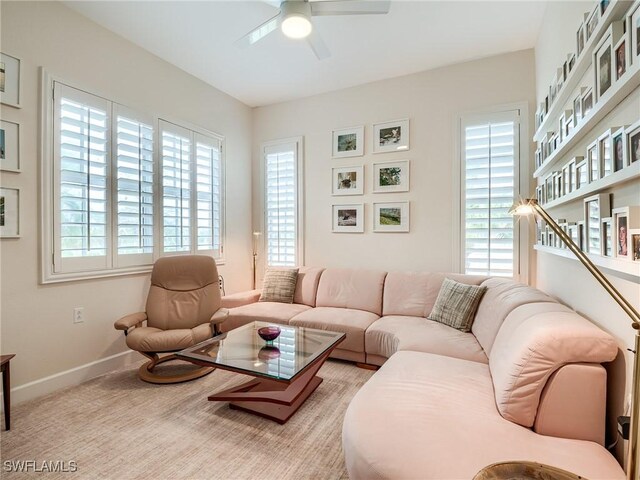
432	100
36	320
566	279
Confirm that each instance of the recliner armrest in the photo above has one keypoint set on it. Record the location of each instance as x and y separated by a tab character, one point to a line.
128	321
240	299
220	316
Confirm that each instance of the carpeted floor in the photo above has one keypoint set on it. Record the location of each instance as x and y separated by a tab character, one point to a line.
118	427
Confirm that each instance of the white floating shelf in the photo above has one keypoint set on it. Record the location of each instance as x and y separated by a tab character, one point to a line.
627	269
615	11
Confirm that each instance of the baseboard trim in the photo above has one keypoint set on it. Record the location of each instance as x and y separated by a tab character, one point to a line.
71	377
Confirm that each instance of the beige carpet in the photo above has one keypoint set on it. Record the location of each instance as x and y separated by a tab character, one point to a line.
118	427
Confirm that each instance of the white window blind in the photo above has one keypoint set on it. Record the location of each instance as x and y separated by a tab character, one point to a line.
209	193
281	204
134	190
490	173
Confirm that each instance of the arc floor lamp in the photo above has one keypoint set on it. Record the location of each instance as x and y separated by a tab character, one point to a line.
531	206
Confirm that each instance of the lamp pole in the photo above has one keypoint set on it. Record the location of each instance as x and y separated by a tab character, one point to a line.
256	236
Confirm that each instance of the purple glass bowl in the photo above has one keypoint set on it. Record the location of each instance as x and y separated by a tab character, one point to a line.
269	333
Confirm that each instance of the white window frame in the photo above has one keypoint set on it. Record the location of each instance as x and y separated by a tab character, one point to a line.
298	143
47	195
522	184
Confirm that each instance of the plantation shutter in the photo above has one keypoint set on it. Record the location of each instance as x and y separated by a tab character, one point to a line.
491	156
281	200
81	180
209	194
134	189
176	148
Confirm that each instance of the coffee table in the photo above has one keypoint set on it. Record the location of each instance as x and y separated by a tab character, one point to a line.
285	369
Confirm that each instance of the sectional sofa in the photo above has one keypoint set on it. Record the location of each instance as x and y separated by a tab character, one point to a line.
525	384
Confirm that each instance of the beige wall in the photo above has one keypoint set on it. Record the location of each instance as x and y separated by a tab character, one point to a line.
567	279
36	320
432	100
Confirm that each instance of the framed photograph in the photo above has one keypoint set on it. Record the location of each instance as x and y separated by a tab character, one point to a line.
568	124
607	238
603	6
391	176
557	184
619	150
582	174
9	212
602	59
604	154
549	188
587	102
566	180
539	195
580	39
391	217
348	218
571	62
573	233
572	172
391	136
9	80
624	220
592	162
347	180
596	208
622	57
592	22
634	236
348	142
581	236
633	26
9	146
560	78
633	142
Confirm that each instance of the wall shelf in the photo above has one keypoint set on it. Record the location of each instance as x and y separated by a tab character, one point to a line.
627	174
626	269
616	11
610	100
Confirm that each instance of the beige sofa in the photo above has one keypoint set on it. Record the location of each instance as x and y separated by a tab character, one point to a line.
525	384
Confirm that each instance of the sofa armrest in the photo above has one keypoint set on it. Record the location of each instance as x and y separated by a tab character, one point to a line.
128	321
240	299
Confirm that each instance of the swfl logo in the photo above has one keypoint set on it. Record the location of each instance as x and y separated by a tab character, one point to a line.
22	466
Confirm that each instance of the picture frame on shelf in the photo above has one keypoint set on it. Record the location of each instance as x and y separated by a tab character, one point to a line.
564	226
603	6
582	173
571	63
573	232
633	27
348	142
9	212
391	136
605	158
621	55
572	172
587	102
603	66
566	180
633	142
348	218
619	149
391	176
606	249
596	207
549	188
568	124
634	243
581	235
560	78
581	38
539	195
347	180
624	219
592	162
10	80
577	107
9	146
391	217
538	157
562	124
592	22
557	184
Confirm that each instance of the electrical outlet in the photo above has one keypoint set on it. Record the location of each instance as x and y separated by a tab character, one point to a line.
78	315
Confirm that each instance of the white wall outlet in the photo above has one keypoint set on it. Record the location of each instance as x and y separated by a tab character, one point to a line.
78	315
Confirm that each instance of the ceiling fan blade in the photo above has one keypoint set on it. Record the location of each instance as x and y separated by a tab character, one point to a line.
259	32
317	45
350	7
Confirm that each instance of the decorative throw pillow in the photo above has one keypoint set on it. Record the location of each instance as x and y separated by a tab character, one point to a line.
456	304
279	285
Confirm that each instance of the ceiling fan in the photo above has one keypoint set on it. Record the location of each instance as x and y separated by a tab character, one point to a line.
294	19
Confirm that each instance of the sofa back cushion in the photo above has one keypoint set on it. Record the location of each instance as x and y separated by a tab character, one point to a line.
536	340
307	286
351	288
502	297
414	293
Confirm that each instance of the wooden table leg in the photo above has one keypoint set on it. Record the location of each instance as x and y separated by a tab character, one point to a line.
6	395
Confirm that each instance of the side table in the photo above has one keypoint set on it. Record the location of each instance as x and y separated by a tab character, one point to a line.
6	388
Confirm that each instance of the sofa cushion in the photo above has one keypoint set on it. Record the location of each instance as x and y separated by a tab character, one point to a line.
307	285
502	297
428	417
456	304
415	293
279	285
348	288
395	333
346	320
534	341
261	311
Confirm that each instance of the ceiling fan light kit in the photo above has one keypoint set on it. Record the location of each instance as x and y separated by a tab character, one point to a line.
296	22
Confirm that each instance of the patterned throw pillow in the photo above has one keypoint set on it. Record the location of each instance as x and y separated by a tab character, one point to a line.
279	285
456	304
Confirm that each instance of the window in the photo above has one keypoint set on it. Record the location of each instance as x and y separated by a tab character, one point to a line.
490	169
112	201
282	203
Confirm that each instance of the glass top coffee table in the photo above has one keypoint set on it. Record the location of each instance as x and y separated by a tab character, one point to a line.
285	369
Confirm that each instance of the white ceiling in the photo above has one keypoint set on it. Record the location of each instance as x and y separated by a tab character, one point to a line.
198	37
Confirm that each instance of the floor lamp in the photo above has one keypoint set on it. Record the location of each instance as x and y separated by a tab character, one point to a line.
531	206
256	237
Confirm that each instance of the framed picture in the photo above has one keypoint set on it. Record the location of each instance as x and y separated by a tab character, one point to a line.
582	174
572	172
596	208
391	136
391	217
633	142
604	154
587	102
348	218
633	26
557	184
568	124
348	142
624	220
621	53
634	236
549	188
607	238
581	236
592	162
602	59
9	212
572	231
580	39
577	107
347	180
566	180
603	6
539	195
9	80
9	146
592	22
571	62
619	151
391	176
